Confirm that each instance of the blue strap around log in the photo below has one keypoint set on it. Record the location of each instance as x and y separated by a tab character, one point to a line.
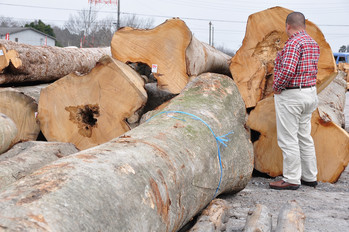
219	139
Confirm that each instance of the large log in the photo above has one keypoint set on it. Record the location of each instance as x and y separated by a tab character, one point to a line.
331	141
25	158
8	133
252	66
155	177
47	64
92	109
22	107
172	47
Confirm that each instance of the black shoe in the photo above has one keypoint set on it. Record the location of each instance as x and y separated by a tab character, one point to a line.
309	183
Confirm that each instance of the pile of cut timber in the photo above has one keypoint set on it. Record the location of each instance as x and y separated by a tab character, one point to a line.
252	69
155	177
172	50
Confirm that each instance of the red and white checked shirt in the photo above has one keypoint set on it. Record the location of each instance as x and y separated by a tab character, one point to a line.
296	64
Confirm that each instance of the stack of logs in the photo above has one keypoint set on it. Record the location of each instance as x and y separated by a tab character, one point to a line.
170	163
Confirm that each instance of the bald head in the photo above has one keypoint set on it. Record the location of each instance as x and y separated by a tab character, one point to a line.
296	20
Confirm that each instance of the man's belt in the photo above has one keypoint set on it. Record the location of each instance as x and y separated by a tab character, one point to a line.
300	87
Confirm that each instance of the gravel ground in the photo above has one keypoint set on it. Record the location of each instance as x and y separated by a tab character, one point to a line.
326	207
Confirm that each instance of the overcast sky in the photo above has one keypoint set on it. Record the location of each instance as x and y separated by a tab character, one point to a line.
228	16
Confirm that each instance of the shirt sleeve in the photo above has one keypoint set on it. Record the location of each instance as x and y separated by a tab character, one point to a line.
286	66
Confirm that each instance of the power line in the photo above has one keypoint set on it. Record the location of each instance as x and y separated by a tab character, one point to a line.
151	15
148	15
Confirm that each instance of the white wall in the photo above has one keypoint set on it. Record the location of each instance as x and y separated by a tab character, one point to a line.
32	38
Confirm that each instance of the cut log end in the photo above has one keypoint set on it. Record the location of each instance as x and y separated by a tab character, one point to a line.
92	109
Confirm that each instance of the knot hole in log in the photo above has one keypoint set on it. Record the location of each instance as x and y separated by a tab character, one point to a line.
85	116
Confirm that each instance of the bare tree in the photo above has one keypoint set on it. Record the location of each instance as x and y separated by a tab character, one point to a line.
226	50
136	22
95	32
9	22
85	21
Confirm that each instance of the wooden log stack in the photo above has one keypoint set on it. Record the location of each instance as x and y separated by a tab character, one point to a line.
159	175
155	177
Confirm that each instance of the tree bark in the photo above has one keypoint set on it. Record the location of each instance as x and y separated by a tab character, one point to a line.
212	218
25	158
172	47
259	219
47	64
21	106
155	177
252	66
291	218
8	133
92	109
331	141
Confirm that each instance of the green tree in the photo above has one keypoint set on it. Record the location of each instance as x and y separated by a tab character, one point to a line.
41	26
343	48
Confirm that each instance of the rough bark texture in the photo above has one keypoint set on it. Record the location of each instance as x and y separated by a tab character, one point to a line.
172	47
22	109
252	66
259	220
212	218
8	133
291	218
155	177
46	64
25	158
331	141
92	109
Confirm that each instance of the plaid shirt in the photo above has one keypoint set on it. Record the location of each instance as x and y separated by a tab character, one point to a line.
296	64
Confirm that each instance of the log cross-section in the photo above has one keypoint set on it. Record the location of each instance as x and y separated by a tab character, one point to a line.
252	67
173	49
92	109
156	177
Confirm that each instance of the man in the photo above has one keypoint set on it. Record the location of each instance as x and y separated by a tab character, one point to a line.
295	100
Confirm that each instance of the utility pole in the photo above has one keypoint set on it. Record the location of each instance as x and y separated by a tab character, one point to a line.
118	23
212	37
209	32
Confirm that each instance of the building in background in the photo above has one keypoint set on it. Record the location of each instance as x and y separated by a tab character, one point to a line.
26	35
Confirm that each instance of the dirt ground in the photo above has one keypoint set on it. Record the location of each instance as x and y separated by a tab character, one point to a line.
326	207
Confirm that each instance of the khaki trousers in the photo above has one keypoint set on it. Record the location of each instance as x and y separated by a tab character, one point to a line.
294	108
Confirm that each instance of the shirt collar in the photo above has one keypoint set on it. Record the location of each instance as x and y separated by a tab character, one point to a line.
297	33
